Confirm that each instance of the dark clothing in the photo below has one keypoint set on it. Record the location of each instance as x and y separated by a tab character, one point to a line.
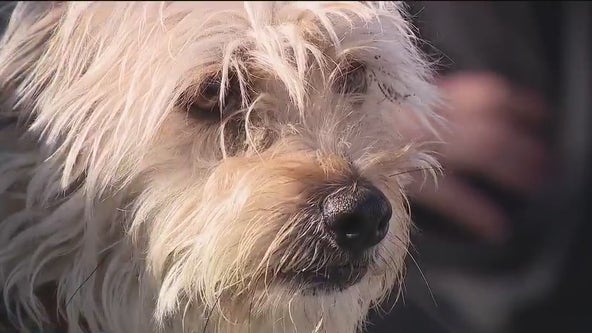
406	317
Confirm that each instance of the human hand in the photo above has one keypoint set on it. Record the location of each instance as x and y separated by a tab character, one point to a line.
492	132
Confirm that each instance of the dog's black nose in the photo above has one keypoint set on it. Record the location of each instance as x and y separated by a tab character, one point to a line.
358	218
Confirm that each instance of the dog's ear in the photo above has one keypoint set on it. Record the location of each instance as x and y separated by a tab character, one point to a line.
24	41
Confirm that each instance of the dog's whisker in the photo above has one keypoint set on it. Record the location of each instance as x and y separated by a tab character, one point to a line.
413	171
85	281
209	312
420	271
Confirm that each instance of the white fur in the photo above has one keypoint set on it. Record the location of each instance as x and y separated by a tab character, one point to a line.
147	220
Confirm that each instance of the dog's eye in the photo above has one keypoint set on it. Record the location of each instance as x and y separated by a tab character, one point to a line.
352	79
206	103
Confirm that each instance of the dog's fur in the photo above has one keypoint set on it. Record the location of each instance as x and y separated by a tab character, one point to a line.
148	215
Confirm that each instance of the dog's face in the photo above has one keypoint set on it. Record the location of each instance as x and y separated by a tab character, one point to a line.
256	149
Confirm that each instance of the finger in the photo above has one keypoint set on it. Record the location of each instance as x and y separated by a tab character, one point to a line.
474	95
465	206
500	153
485	94
527	110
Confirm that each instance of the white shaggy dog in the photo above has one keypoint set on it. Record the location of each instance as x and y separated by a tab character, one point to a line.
199	167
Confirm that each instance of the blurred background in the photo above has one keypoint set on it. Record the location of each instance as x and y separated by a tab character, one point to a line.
502	245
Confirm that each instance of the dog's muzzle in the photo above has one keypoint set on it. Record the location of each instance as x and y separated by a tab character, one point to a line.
354	219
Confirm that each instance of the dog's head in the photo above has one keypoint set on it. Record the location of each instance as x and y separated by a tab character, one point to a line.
257	148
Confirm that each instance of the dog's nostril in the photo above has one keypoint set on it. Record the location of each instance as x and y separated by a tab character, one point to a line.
358	219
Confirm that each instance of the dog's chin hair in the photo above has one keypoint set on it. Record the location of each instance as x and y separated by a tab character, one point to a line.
295	307
143	219
284	309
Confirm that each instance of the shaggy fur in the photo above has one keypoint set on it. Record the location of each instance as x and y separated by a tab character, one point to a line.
147	213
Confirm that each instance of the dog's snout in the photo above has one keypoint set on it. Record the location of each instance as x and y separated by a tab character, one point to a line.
358	219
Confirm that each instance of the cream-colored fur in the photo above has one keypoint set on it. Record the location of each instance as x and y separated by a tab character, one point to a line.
148	219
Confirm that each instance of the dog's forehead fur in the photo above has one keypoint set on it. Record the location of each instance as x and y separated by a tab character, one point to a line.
126	184
294	42
143	56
